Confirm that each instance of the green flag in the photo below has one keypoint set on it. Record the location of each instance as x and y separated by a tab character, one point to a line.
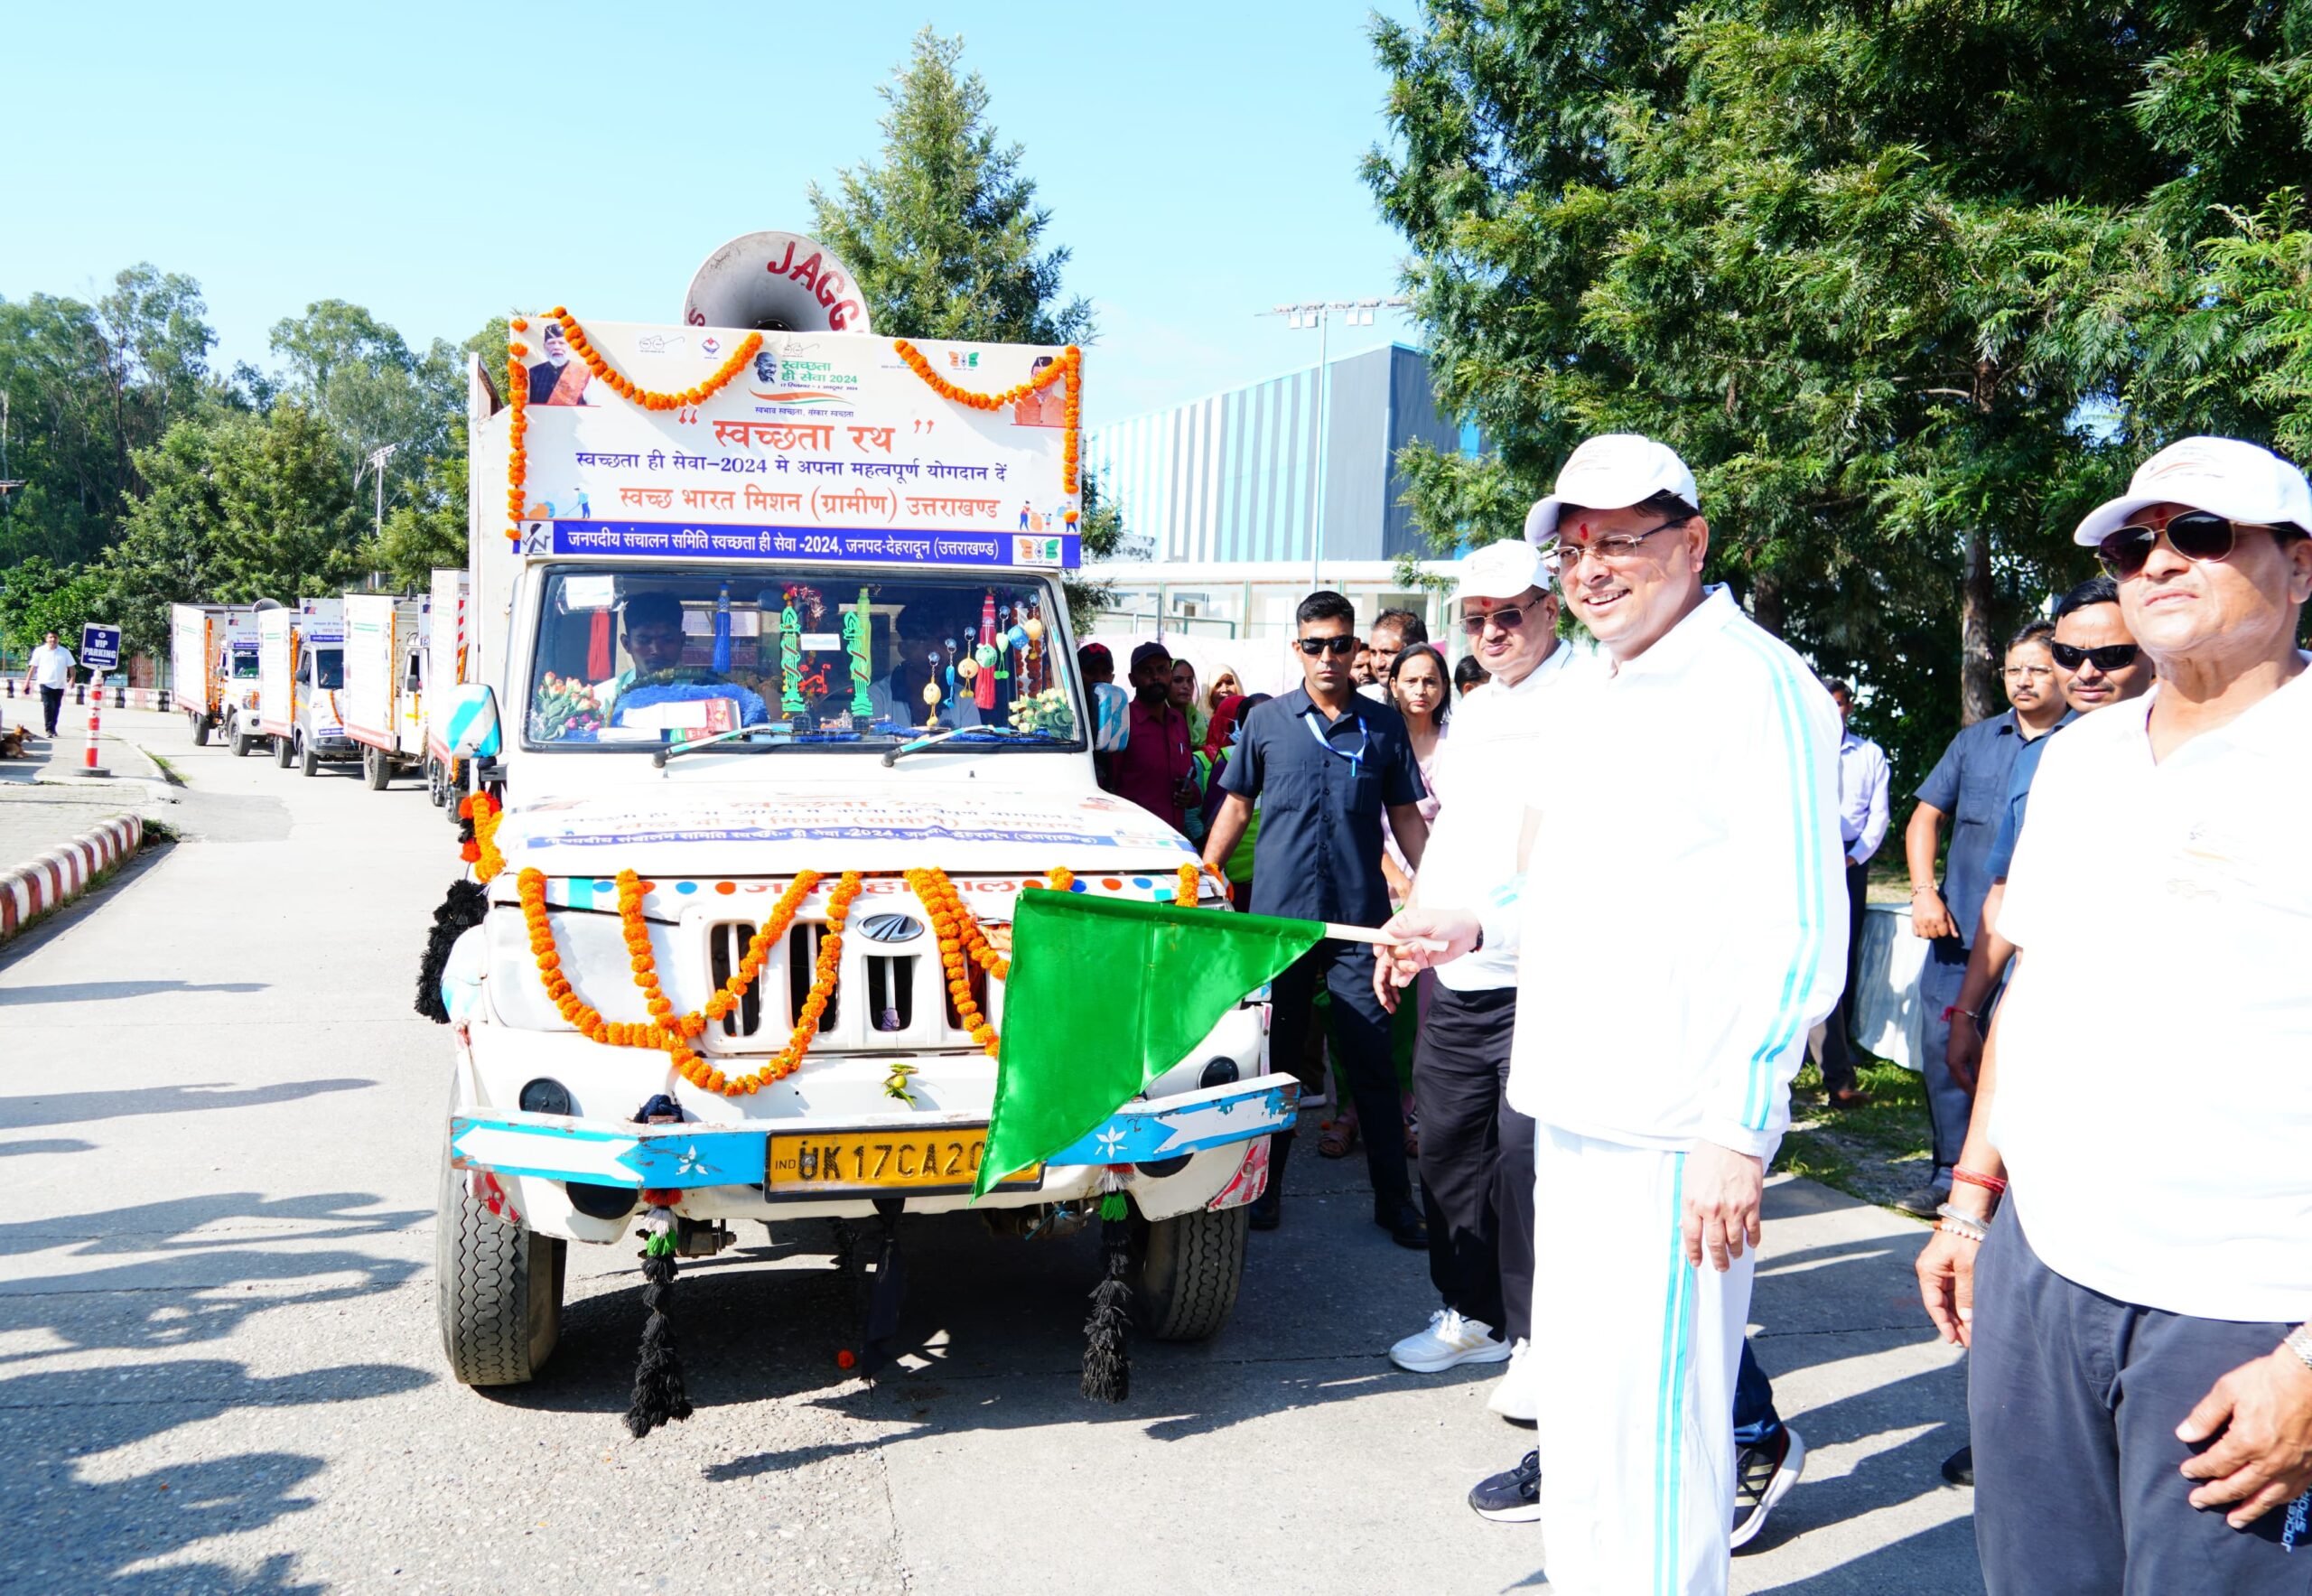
1105	995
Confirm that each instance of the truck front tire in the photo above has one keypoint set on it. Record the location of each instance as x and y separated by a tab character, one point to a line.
200	730
378	766
1186	1271
281	751
498	1290
308	763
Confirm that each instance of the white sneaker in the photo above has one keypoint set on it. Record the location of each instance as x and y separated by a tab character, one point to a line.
1450	1342
1513	1394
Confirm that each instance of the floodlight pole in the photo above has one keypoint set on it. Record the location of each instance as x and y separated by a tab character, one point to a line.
1319	314
377	463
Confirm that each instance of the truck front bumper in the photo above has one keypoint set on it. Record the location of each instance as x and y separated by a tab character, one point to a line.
1200	1149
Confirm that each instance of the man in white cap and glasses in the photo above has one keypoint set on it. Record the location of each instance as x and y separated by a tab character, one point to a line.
1476	1152
2140	1383
1685	906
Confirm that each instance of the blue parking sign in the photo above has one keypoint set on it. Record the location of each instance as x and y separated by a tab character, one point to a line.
100	648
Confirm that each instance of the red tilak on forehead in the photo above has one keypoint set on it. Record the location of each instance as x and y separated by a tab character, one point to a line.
1581	530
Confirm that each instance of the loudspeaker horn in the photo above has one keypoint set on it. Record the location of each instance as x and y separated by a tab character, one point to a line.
777	282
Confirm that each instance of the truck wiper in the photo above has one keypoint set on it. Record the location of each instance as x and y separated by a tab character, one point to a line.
892	755
693	744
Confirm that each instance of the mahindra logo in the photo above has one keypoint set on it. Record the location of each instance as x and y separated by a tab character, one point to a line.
891	927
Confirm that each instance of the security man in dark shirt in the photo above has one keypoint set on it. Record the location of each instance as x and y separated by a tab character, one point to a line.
1324	764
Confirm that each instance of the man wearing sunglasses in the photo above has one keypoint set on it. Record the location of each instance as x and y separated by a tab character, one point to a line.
1685	906
2140	1383
1476	1152
1329	768
1968	788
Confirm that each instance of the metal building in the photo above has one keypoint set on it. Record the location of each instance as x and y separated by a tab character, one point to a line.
1237	476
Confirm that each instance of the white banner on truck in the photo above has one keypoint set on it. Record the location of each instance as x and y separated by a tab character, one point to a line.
824	445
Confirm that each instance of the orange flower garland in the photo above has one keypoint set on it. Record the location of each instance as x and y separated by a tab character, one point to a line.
960	938
517	392
963	942
487	860
518	460
1070	367
634	392
672	1032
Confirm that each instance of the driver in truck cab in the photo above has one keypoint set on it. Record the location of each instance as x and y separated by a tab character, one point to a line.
655	641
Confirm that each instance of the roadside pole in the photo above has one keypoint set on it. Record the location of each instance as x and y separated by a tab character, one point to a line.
96	706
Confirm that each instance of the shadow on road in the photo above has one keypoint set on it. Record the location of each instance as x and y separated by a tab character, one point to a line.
44	1144
80	1107
71	992
68	1532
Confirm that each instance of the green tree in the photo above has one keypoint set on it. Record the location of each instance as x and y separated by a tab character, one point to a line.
945	239
1851	260
87	385
37	597
237	507
942	234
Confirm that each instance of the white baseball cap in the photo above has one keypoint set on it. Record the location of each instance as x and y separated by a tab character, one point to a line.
2222	476
1611	471
1502	570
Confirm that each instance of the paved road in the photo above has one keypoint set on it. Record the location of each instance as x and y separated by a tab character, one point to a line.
220	1138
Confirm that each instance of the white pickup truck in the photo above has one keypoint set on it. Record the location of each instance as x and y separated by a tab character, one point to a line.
684	729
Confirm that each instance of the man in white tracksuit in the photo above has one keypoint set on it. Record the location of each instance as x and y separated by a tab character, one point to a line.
1682	872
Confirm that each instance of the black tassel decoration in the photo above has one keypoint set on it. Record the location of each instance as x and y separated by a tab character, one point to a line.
464	908
1107	1342
659	1394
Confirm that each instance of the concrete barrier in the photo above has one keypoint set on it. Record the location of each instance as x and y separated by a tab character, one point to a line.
63	873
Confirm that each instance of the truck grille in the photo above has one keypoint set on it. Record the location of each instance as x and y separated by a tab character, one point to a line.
882	1001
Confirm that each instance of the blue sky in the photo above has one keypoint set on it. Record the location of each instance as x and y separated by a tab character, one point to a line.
1200	159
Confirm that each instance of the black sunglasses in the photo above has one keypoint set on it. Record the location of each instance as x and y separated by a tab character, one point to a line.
2110	657
1322	645
1508	617
2197	535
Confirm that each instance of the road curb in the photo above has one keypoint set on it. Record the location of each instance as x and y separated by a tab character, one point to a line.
62	874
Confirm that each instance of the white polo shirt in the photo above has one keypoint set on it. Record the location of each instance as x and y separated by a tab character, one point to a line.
51	665
2154	1096
1689	888
1482	780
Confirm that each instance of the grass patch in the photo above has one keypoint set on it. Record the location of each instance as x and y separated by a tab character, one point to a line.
1877	1152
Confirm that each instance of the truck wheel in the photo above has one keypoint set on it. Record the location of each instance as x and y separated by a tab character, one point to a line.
282	750
1185	1271
308	763
242	745
379	766
201	730
497	1289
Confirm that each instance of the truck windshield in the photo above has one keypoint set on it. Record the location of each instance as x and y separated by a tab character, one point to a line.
328	668
798	659
244	664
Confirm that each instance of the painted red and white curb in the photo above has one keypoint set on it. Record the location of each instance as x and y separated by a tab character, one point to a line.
64	874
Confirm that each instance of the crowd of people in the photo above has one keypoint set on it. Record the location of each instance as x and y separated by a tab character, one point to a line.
1622	864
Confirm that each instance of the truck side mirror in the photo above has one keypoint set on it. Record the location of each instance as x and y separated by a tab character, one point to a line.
472	722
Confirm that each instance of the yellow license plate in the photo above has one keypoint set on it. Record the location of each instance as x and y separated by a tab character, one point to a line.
876	1161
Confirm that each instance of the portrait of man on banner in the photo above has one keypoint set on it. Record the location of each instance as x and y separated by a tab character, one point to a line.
558	379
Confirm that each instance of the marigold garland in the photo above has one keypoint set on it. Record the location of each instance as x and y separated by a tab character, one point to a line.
518	391
486	816
1068	367
963	942
649	399
960	938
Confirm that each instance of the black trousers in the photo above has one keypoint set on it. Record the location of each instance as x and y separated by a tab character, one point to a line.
1361	1032
1838	1045
2074	1398
1476	1158
51	704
